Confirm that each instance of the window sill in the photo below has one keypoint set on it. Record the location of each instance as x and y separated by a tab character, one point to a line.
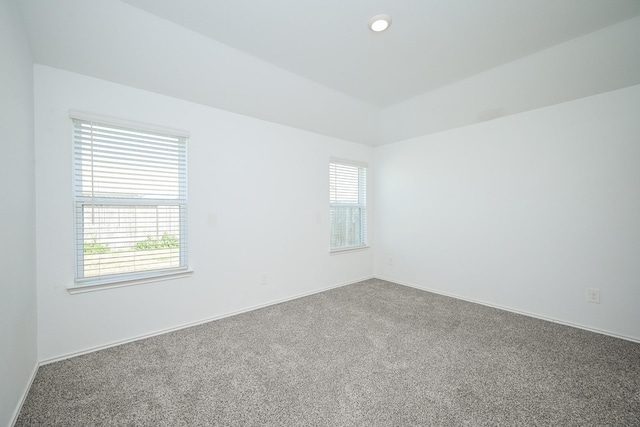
349	249
101	284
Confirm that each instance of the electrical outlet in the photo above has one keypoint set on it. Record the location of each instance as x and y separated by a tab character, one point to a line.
212	219
390	261
263	279
593	295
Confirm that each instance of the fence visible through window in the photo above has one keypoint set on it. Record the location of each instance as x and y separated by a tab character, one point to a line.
130	198
127	239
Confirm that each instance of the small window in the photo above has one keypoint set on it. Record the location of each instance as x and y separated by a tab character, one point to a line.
347	204
130	192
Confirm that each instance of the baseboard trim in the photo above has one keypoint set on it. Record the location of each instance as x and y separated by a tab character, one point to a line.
305	294
25	393
198	322
291	298
512	310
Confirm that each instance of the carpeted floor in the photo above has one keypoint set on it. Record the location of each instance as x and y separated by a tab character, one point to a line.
369	354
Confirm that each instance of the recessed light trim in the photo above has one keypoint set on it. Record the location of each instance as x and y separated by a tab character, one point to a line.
379	23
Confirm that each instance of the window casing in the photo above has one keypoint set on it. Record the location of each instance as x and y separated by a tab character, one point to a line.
130	196
347	205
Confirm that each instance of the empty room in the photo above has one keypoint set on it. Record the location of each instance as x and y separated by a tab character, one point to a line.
329	213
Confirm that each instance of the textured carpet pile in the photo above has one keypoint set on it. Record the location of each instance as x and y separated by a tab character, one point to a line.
369	354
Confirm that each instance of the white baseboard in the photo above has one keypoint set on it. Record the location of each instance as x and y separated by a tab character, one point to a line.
302	295
25	392
198	322
512	310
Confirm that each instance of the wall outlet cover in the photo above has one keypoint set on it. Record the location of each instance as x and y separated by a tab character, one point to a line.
263	279
593	295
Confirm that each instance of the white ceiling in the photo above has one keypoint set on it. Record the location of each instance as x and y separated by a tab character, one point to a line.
431	43
314	64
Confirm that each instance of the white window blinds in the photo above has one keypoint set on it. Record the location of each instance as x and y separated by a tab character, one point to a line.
347	204
130	190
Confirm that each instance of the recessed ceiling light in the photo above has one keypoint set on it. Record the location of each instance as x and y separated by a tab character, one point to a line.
379	23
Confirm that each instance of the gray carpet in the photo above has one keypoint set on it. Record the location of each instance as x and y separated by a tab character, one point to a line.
369	354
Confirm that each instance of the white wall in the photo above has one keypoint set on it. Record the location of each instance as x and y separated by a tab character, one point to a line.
163	57
17	242
258	202
598	62
523	212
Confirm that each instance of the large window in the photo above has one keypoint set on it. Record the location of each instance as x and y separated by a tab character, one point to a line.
347	204
130	191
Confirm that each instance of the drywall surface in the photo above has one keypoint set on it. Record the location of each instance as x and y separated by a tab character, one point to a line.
598	62
17	249
151	53
258	203
524	212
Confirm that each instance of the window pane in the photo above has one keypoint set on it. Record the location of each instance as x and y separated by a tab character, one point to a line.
112	162
129	239
346	229
343	183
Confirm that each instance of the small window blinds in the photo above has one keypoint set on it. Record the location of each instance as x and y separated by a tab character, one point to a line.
347	204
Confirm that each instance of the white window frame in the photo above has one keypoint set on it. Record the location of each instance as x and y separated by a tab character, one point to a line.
98	282
361	205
